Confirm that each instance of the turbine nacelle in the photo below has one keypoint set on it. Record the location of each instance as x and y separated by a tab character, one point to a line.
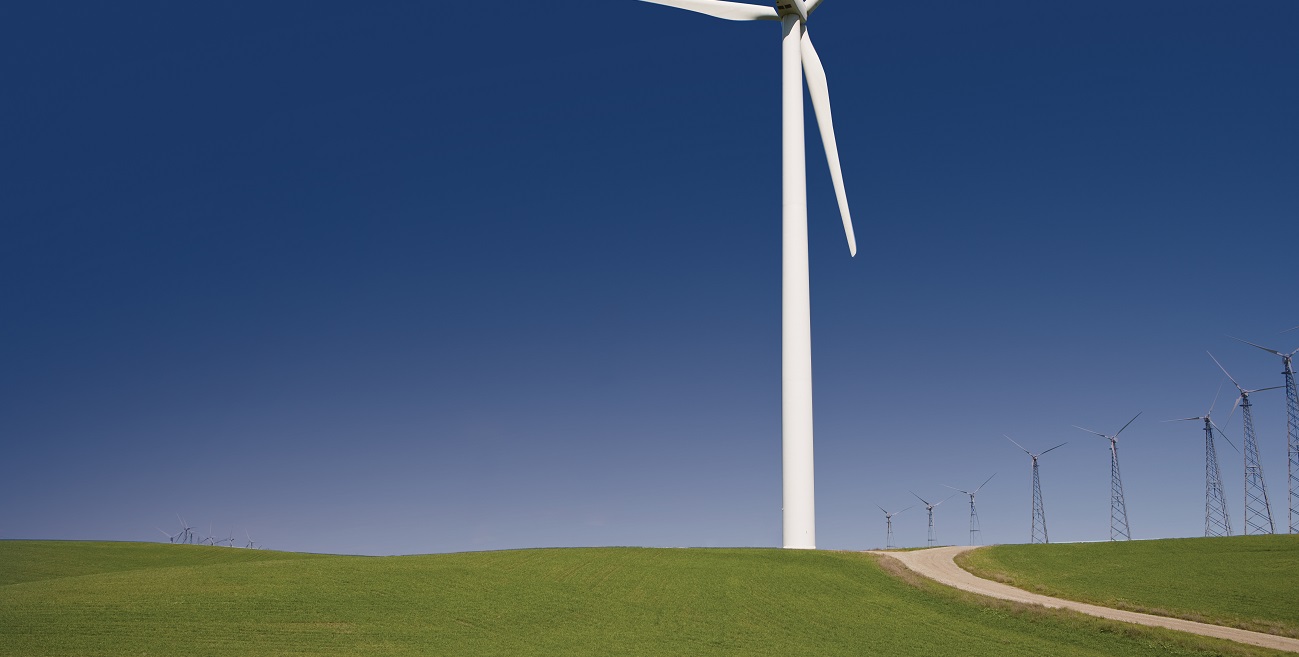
792	7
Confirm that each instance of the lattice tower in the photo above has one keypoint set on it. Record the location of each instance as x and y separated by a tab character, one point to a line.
1258	511
931	524
888	540
976	536
1118	508
1038	532
1292	436
1217	522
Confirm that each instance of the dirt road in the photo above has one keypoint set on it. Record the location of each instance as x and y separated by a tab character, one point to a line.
938	564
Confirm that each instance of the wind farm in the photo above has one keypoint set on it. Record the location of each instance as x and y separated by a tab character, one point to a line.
361	318
437	310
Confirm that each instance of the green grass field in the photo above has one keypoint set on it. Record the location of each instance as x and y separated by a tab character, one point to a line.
1243	581
87	599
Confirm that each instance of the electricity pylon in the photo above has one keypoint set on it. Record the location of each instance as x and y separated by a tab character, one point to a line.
1291	431
1258	511
1118	508
1037	532
976	535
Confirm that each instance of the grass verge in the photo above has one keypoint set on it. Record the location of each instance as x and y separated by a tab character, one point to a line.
1248	582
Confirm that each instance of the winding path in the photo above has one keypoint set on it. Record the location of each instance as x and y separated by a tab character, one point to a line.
938	564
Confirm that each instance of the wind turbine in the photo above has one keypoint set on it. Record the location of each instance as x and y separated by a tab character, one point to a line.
251	545
975	533
930	508
888	520
1217	521
1291	429
1118	508
171	538
210	539
797	56
187	533
1039	513
1257	507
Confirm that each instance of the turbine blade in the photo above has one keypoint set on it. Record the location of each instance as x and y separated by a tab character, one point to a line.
910	507
1270	351
1056	447
948	498
1183	419
731	11
1088	431
956	489
1262	389
1018	445
985	483
882	509
1224	371
1134	419
1285	331
1234	407
919	497
819	90
1215	399
1224	436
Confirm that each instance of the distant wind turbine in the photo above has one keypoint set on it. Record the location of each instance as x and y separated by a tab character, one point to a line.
210	539
1118	508
187	532
171	538
797	56
888	520
1291	428
1217	520
930	506
1037	531
976	534
1258	510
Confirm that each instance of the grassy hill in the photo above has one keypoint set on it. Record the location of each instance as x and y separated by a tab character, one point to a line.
1243	581
85	599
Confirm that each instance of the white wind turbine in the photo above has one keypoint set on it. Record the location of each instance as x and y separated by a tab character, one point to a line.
797	56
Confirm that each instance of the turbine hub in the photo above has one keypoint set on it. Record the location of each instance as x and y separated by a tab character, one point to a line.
791	8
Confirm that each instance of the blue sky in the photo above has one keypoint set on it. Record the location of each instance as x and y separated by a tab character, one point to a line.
395	280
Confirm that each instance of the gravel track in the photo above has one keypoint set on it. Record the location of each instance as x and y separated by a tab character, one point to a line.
938	564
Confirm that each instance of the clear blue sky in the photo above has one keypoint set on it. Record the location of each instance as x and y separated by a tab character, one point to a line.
391	279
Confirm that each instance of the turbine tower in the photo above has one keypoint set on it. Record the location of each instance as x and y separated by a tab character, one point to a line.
888	520
1291	430
1217	521
976	534
1037	532
797	56
930	508
1118	508
1258	511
